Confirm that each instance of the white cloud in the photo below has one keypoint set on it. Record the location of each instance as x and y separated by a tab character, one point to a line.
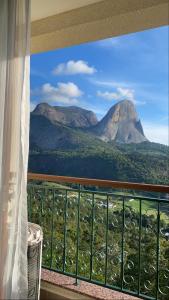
109	83
156	132
109	43
108	95
120	93
74	67
68	89
125	84
66	93
126	93
125	43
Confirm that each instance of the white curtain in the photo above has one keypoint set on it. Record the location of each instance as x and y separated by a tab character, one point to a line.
14	137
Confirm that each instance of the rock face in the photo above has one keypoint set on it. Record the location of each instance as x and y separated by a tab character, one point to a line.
44	135
68	127
120	124
70	116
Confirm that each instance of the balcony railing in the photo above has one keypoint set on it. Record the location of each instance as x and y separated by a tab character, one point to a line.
114	234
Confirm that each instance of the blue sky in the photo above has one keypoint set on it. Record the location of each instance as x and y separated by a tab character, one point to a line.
97	75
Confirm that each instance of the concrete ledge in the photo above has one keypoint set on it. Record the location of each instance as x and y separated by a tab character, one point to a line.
53	292
63	287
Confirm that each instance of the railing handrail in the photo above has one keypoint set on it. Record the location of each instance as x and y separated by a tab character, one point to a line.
101	183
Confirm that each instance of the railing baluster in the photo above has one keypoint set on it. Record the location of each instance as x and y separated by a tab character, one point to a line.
78	229
91	238
130	208
42	205
122	246
51	243
107	228
158	249
65	223
139	255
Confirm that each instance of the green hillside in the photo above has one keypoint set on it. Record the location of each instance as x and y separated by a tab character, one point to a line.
105	162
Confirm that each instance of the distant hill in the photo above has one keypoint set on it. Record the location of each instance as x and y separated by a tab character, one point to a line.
97	161
46	135
56	147
71	116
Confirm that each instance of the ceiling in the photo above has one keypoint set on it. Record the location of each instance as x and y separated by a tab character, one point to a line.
64	23
44	8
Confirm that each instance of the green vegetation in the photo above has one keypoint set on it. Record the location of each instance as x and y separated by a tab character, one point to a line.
146	162
129	234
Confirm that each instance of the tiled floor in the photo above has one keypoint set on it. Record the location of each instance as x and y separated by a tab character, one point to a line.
85	288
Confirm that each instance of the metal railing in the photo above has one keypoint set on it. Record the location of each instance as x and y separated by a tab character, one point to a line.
114	234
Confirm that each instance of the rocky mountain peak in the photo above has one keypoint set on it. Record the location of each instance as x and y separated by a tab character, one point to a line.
123	110
121	124
70	116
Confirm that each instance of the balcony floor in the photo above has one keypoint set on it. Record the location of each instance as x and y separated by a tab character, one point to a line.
85	290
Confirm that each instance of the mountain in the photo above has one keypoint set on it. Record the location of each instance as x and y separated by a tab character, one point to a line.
71	116
120	124
52	126
58	146
46	135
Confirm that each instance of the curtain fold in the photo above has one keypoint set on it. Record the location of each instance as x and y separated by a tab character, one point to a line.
14	145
